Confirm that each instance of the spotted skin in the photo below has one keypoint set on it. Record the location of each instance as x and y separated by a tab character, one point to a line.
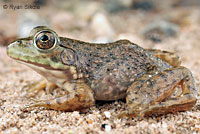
88	71
111	68
158	89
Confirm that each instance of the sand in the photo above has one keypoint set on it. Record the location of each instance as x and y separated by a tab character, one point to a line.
101	118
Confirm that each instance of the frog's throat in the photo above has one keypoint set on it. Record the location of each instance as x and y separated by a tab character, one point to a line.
57	76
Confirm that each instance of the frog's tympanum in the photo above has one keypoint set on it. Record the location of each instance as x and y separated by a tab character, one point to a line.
147	78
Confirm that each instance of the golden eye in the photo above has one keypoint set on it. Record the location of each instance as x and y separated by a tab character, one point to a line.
45	40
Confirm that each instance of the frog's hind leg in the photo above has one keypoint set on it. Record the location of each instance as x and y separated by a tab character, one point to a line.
169	57
152	94
82	97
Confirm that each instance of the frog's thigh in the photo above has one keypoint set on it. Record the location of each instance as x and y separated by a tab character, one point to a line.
82	97
151	93
171	58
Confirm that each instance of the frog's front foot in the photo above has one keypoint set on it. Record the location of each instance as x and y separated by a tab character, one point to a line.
40	86
152	93
81	98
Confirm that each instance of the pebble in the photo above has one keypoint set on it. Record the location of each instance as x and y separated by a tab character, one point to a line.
157	31
113	6
76	114
108	128
145	5
89	8
101	26
107	114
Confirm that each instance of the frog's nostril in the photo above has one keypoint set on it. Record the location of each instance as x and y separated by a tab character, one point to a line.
19	41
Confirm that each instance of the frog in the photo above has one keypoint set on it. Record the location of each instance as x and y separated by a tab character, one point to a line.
146	78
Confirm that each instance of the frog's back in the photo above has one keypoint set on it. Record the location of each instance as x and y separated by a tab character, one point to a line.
111	68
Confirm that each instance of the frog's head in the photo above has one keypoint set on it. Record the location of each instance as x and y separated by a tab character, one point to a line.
43	48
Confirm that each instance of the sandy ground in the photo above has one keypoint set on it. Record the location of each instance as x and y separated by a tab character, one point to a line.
101	117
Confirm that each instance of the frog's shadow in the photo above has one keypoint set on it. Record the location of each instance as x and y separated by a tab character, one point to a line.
99	103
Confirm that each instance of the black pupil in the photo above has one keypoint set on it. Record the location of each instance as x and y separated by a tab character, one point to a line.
44	38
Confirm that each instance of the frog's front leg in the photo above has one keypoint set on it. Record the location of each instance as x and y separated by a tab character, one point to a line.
152	93
81	97
41	85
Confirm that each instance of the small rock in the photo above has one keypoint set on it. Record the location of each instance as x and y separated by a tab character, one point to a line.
143	5
103	126
85	10
117	5
76	114
101	26
89	121
70	132
186	3
106	127
159	30
40	2
107	114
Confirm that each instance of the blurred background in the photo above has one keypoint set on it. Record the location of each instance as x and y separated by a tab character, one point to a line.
145	22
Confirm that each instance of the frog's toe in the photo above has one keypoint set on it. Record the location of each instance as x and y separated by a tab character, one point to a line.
34	100
123	114
81	99
41	86
38	104
36	86
49	87
127	114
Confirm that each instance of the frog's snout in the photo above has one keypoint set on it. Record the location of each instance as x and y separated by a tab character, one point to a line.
16	47
11	47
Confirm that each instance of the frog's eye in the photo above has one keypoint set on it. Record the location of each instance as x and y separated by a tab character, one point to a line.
45	40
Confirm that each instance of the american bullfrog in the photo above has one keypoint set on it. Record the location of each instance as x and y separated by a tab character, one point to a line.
147	78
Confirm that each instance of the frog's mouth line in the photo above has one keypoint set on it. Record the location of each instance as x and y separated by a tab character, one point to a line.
28	63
